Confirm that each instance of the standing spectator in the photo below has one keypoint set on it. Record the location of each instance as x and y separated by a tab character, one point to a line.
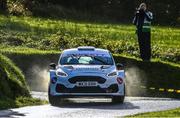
142	20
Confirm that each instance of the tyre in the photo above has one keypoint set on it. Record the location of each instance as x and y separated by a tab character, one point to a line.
119	99
53	100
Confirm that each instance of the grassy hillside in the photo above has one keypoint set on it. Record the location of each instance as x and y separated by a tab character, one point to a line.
14	91
48	34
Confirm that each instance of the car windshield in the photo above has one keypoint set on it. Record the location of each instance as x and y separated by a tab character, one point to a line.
86	59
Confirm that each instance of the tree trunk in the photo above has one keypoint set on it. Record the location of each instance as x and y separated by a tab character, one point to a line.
3	5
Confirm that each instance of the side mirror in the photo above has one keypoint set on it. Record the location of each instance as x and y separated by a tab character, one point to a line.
119	66
52	66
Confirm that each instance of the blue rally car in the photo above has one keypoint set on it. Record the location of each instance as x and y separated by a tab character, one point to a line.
86	71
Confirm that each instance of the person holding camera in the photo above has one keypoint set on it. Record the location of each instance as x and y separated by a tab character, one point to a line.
142	20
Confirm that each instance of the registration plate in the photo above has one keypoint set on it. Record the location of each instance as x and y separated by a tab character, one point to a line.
86	84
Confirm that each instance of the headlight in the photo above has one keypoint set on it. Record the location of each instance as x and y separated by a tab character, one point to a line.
61	74
112	74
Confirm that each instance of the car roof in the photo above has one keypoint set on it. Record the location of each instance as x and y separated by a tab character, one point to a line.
85	49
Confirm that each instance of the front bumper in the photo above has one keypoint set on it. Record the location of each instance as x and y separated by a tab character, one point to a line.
60	88
108	88
79	95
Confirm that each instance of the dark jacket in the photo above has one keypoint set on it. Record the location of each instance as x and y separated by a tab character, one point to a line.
142	20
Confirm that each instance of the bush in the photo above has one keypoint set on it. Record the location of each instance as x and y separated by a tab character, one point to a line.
11	41
17	8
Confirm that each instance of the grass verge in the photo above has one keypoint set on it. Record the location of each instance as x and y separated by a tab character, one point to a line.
14	91
175	113
6	103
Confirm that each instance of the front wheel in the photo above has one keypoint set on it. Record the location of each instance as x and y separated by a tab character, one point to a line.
53	100
118	99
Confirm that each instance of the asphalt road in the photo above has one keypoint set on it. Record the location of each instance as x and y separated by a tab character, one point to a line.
91	108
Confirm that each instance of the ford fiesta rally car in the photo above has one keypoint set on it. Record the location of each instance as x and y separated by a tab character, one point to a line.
86	71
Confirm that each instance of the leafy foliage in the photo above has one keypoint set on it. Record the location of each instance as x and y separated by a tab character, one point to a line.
165	12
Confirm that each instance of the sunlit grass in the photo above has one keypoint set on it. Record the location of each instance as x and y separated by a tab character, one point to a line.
26	51
175	113
46	34
20	102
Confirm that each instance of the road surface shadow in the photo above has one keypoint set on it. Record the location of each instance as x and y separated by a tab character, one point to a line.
10	114
96	105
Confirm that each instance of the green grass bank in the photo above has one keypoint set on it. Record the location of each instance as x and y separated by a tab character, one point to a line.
175	113
14	92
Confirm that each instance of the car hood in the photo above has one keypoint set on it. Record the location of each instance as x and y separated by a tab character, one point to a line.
87	68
